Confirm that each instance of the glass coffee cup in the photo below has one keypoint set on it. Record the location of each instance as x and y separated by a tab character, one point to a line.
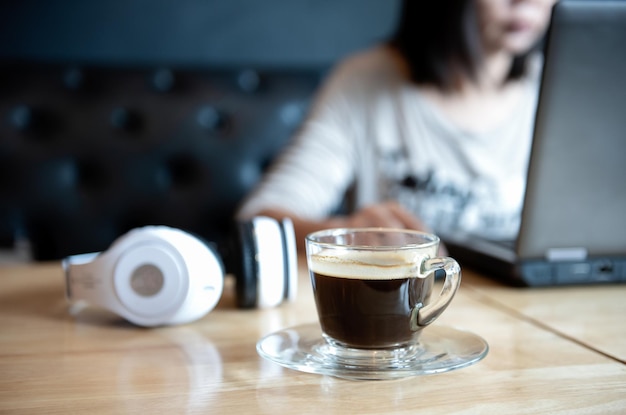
373	289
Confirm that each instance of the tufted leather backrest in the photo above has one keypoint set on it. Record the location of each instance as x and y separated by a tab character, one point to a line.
99	136
94	152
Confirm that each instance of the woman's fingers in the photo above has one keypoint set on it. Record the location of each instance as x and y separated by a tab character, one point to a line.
388	214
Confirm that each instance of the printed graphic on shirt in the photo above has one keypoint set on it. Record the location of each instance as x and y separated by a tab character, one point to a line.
446	205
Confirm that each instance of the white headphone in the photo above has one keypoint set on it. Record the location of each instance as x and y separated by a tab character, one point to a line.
157	275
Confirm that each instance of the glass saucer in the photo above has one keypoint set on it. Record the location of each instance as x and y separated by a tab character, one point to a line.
440	349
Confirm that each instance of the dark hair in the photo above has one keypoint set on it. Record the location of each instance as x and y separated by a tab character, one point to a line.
440	40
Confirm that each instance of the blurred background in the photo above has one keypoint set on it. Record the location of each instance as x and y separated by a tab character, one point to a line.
193	32
123	113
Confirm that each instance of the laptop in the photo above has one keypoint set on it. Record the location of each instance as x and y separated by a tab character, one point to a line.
573	224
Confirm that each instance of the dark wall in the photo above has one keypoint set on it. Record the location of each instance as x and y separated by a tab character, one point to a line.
223	32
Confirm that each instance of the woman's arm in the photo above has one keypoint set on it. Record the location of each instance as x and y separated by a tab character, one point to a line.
387	214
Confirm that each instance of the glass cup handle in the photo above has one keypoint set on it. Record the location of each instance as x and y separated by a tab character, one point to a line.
428	313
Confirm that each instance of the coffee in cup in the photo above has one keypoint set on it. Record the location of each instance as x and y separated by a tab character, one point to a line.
373	287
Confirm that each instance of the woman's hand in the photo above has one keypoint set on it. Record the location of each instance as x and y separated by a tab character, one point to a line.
386	215
381	215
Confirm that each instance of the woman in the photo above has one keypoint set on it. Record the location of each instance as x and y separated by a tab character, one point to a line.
429	131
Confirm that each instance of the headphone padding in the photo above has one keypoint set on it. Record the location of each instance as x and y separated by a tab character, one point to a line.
246	268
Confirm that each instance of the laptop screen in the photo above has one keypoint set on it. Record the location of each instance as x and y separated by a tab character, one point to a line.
576	189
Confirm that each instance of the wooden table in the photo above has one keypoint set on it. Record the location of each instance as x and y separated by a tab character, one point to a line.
552	351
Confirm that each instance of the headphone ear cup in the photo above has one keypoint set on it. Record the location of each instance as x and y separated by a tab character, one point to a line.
151	276
244	265
271	261
264	261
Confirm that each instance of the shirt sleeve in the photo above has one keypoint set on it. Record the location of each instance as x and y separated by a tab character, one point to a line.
312	174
